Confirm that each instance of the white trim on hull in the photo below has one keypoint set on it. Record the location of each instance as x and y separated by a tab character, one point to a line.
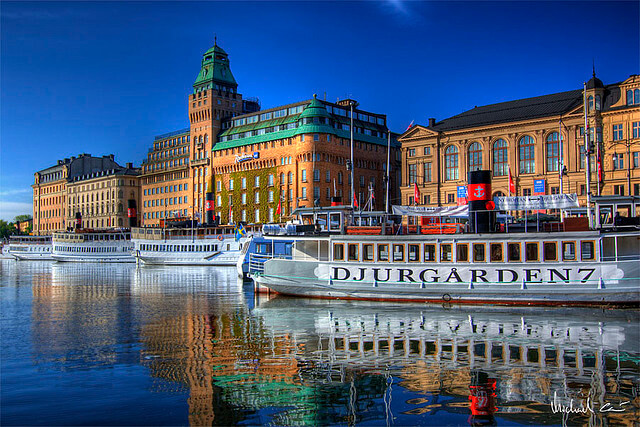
228	258
97	259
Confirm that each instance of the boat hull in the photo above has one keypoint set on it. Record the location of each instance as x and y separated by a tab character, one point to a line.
614	283
122	258
228	258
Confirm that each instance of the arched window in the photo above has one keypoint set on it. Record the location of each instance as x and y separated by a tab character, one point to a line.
451	163
206	138
553	152
629	97
636	96
475	157
527	154
500	158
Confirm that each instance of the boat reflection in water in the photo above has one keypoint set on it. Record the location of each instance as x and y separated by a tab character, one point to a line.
486	363
159	345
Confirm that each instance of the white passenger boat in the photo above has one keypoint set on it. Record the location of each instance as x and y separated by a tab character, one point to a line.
188	246
88	245
600	266
30	248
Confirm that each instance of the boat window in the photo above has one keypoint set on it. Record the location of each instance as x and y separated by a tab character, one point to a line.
478	252
383	253
531	251
550	253
462	252
367	252
398	252
429	252
446	253
568	251
338	251
413	253
587	251
496	252
353	252
513	250
288	247
263	248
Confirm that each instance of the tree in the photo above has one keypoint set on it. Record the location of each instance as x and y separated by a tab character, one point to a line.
21	218
7	229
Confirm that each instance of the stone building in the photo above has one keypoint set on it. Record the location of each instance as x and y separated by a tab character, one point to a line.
533	139
59	190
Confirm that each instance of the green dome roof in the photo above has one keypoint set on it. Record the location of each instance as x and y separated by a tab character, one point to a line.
314	109
216	49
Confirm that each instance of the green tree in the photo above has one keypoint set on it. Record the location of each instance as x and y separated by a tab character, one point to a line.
21	218
7	229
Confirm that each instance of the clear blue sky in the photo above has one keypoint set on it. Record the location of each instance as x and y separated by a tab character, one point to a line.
101	78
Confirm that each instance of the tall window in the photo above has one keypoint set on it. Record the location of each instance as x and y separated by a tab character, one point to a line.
451	163
597	102
617	132
500	157
427	172
633	97
590	100
413	168
475	157
635	129
527	154
553	152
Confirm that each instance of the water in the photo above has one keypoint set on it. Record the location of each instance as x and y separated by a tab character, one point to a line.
124	345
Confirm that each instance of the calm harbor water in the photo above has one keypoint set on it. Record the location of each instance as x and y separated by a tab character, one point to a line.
126	345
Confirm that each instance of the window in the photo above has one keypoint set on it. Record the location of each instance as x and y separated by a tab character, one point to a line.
553	152
496	252
427	151
256	197
383	253
587	251
633	97
316	175
500	158
531	251
636	159
367	252
244	183
429	252
617	132
398	252
304	175
289	178
353	251
446	252
413	253
526	191
451	163
316	137
513	251
550	253
270	180
413	173
244	198
618	161
568	251
635	129
475	157
618	190
256	181
304	192
478	252
462	252
527	154
427	172
411	152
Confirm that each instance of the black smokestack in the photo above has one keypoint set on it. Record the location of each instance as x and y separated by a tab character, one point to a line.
209	206
131	212
481	214
78	220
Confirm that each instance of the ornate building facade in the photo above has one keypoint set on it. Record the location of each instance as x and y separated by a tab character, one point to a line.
297	152
534	140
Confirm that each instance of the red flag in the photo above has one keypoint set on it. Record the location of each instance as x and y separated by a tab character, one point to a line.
512	184
230	219
410	125
416	193
355	200
279	208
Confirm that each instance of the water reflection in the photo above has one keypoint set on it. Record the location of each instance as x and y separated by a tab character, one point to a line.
164	345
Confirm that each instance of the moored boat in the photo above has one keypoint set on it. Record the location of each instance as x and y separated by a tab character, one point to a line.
30	248
88	245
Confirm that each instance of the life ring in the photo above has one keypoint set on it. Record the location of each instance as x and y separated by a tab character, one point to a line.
220	237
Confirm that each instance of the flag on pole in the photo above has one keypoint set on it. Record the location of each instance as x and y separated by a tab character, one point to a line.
416	193
355	200
279	208
240	231
512	184
410	126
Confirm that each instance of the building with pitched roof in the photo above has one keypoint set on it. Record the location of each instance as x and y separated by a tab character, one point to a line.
534	140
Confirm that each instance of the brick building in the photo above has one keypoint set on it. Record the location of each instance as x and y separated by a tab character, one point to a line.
284	144
534	138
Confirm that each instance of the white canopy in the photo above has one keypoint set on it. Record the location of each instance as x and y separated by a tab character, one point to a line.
457	211
527	203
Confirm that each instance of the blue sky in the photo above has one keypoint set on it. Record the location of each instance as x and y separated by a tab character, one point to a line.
102	78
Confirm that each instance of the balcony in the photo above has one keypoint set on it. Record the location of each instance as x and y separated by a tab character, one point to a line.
200	162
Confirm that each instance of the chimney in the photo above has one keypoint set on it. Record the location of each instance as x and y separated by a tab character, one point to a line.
432	122
111	156
129	165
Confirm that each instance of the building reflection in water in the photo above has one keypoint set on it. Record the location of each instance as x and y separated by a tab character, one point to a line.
302	362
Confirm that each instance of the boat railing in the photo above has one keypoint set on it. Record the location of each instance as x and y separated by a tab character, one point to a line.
256	261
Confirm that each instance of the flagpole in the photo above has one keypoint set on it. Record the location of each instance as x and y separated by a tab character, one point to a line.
587	154
353	189
561	165
386	204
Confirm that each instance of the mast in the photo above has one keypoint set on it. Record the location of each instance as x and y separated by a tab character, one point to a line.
353	191
587	153
386	178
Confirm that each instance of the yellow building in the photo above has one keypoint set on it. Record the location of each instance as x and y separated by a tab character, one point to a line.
533	139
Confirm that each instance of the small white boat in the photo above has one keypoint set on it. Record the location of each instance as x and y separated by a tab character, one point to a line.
30	248
188	246
86	245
